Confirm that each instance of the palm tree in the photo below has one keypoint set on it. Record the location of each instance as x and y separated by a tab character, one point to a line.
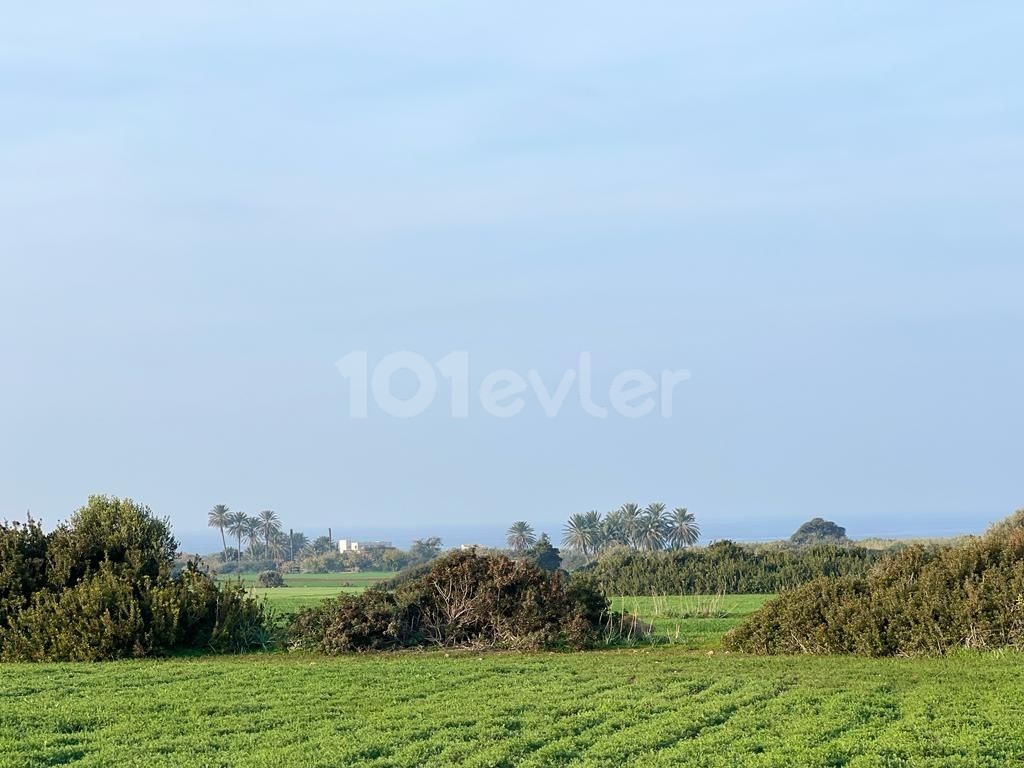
321	545
237	526
596	527
613	529
297	542
520	536
580	532
651	527
218	518
630	514
270	525
683	530
252	534
309	550
280	544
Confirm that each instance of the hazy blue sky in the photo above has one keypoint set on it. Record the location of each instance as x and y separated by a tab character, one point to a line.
816	208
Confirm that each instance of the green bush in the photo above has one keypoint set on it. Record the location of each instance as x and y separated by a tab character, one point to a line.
271	579
917	602
465	599
724	568
473	599
102	586
193	611
23	566
366	622
119	531
100	617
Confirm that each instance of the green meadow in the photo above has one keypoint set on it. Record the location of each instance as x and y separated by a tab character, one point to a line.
649	706
692	621
675	699
305	590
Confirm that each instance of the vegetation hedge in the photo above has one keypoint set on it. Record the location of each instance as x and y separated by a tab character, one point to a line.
102	586
245	567
724	568
465	599
919	601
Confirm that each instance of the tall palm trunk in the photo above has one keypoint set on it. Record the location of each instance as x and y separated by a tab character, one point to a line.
224	543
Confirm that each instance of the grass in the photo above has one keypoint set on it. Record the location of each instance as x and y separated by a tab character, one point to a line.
693	621
661	706
305	590
354	579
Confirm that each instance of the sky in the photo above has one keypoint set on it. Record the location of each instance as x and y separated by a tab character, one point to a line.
813	208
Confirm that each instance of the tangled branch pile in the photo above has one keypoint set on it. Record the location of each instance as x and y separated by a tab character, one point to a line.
465	600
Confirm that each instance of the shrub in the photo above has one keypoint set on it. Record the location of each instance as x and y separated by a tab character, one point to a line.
195	612
119	531
464	600
271	579
100	617
917	602
472	599
103	586
23	565
370	621
829	611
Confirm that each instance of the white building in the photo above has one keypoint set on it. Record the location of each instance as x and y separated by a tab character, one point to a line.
349	545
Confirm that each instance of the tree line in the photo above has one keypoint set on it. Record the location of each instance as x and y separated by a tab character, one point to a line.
643	529
724	568
262	534
263	543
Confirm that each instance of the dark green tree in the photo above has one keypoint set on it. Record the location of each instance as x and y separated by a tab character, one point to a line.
424	550
544	555
818	531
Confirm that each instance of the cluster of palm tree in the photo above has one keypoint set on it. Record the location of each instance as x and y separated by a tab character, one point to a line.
646	529
262	534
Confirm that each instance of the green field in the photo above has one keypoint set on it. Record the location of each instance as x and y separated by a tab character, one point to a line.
661	706
307	589
673	700
352	579
692	621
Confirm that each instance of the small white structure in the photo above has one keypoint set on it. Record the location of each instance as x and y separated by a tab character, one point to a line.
349	545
